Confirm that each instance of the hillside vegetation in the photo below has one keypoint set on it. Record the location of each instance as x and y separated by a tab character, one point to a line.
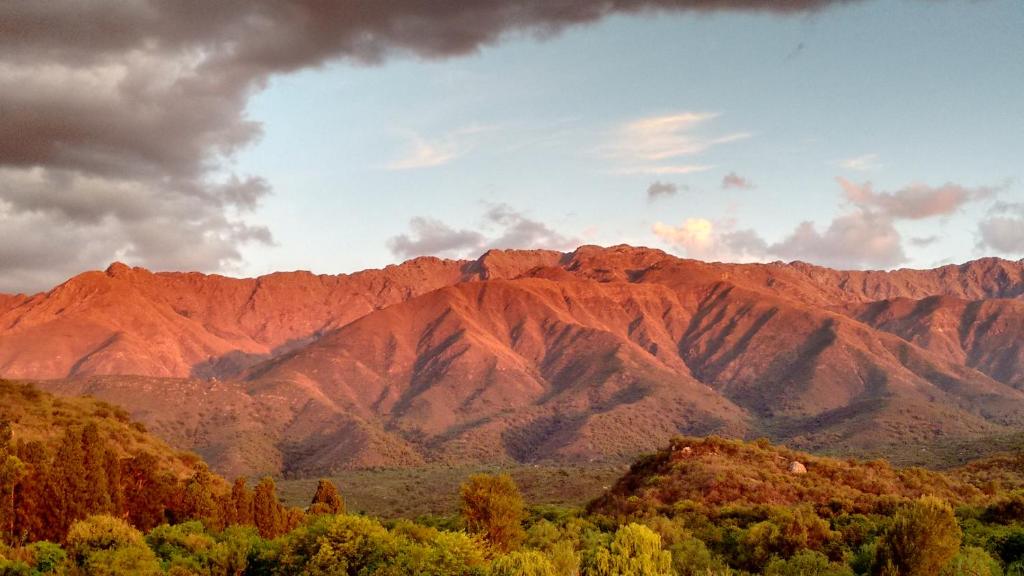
85	491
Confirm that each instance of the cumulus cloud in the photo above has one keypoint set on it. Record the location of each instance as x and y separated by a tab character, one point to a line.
149	98
864	235
734	180
501	227
1002	229
519	231
861	239
659	189
916	201
432	237
706	240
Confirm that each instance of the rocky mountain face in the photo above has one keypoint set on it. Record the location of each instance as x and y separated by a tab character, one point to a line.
532	355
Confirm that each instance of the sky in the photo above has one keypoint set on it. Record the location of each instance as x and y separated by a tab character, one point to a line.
248	138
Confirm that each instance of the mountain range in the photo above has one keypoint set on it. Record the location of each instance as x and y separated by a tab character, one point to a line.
529	356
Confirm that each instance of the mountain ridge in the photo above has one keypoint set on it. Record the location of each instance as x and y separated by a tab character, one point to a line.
532	355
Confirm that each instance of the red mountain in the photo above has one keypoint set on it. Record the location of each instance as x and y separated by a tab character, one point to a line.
531	355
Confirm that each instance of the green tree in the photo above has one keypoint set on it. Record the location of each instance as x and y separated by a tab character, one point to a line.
523	563
146	491
327	500
973	561
66	485
107	546
635	550
269	516
493	508
12	470
241	503
806	563
923	538
95	495
199	499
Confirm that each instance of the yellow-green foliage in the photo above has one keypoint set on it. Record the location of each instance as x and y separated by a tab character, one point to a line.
635	550
108	546
923	538
37	415
493	507
524	563
717	472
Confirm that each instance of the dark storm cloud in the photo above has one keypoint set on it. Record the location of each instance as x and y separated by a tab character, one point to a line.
117	118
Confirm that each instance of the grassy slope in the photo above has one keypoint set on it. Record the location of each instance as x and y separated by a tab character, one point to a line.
717	471
434	489
36	415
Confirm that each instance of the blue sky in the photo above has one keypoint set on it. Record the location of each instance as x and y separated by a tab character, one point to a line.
891	93
863	134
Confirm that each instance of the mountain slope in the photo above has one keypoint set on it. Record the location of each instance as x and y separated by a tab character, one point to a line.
982	334
534	355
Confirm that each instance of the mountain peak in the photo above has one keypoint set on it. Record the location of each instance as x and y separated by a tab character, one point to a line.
118	270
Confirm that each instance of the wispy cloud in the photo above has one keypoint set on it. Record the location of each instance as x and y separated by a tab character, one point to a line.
421	152
864	163
658	144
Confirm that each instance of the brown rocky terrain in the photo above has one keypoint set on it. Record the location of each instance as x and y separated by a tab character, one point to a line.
532	355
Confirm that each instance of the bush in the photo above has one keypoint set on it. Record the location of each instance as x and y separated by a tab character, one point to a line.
634	551
691	557
924	537
527	563
973	561
104	545
49	557
806	563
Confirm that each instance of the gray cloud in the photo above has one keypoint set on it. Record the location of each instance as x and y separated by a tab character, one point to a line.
923	241
118	120
431	237
508	228
917	201
861	239
518	231
660	189
734	180
1002	229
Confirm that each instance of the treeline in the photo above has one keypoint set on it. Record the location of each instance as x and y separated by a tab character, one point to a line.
495	534
44	491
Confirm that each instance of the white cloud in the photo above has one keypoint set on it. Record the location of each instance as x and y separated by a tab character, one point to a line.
864	163
423	154
656	144
706	240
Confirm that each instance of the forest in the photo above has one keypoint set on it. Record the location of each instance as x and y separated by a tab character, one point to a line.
75	502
